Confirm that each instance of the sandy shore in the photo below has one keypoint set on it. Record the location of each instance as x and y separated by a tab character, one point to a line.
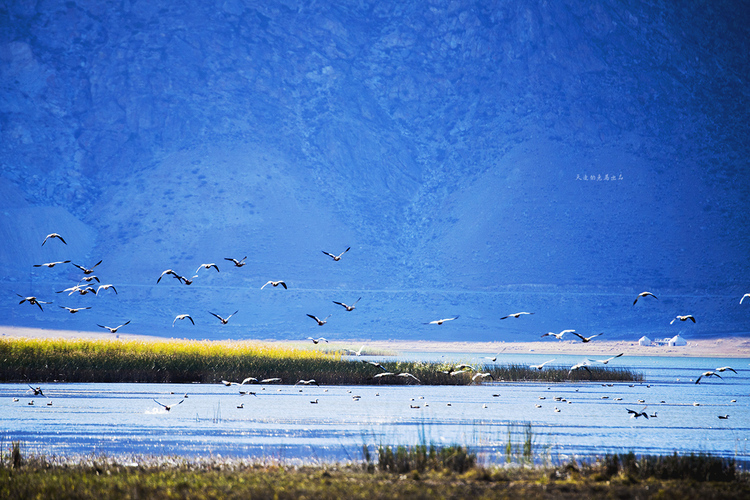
728	347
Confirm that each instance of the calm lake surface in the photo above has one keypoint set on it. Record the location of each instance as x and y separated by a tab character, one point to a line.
281	423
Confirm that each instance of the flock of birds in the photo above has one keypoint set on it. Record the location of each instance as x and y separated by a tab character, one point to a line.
85	286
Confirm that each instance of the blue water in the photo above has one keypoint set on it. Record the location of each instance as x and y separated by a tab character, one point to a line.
281	423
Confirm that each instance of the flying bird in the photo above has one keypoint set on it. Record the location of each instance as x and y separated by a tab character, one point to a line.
182	316
33	300
307	382
409	375
707	374
494	358
224	321
356	353
515	315
89	279
440	321
168	407
683	318
558	336
725	368
113	330
74	310
482	375
375	364
336	257
384	374
274	283
106	287
320	322
644	294
82	290
37	391
237	263
88	270
51	264
578	366
53	235
539	367
636	414
207	266
605	361
168	271
320	339
348	308
586	339
744	296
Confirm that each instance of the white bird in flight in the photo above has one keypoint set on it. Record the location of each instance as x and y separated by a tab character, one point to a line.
32	300
168	407
106	287
347	307
725	368
320	322
113	330
707	374
586	339
539	367
558	336
307	382
87	270
319	339
744	296
336	258
357	353
207	266
74	310
683	318
224	321
440	321
605	361
53	235
274	283
644	294
51	264
515	315
237	263
182	316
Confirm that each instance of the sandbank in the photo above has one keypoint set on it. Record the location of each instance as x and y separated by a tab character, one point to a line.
722	347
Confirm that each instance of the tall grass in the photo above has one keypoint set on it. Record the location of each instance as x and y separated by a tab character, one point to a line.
46	360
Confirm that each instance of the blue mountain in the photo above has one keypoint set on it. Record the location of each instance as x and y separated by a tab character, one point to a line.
479	158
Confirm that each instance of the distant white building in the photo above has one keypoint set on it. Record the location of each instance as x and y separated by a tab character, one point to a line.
677	341
645	341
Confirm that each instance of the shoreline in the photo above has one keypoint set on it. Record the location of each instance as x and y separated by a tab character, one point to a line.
723	347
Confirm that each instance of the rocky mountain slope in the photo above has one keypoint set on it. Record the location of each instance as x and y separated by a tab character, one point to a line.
457	147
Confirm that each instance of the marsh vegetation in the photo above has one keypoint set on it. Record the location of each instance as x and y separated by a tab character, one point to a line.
182	361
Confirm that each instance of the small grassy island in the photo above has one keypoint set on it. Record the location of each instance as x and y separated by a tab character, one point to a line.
183	361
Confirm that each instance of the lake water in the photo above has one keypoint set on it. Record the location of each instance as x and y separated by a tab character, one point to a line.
281	423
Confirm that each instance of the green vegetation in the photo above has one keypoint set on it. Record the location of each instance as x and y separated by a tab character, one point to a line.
416	472
181	361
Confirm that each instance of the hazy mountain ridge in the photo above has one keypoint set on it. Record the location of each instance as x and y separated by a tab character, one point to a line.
442	141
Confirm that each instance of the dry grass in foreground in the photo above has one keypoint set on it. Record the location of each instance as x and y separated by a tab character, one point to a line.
417	473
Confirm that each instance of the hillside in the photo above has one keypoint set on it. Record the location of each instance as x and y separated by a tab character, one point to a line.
446	142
